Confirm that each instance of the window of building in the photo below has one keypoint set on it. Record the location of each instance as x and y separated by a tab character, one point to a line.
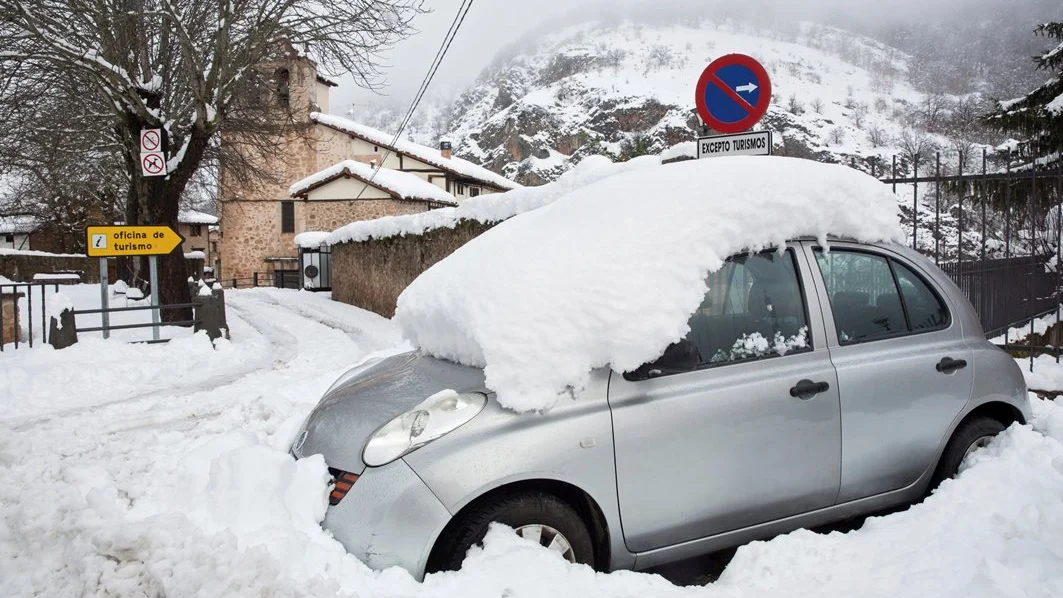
281	79
866	302
9	239
196	230
287	217
474	191
754	309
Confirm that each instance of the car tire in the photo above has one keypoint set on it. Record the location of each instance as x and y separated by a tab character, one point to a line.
969	435
522	511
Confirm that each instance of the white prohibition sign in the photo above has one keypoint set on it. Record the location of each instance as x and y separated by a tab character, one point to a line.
154	164
150	140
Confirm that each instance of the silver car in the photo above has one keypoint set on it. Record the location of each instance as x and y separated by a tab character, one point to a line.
816	384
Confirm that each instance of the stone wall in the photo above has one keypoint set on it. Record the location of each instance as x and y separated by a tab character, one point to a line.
251	229
22	267
373	273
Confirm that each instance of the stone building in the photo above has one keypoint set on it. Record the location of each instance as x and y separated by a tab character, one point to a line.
260	221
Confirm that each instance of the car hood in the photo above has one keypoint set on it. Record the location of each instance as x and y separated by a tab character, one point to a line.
350	412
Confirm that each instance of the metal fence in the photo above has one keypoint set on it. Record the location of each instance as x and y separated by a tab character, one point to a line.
281	279
995	231
29	298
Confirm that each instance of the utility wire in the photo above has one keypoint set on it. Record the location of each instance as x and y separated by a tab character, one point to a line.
448	39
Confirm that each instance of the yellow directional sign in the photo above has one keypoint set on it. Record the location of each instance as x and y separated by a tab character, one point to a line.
115	241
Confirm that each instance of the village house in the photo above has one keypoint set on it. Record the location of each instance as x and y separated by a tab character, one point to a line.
332	171
15	231
201	235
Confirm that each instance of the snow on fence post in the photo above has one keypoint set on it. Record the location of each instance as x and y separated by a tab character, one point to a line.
210	310
62	332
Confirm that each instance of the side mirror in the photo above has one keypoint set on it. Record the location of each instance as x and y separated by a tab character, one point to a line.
679	357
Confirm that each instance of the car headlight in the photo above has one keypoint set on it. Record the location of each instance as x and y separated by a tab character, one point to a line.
436	416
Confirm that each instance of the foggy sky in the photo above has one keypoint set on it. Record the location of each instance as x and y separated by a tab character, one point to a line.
492	24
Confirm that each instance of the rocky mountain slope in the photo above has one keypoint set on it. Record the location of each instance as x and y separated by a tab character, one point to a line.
624	89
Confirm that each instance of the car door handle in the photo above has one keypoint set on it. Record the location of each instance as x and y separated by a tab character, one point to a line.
947	365
806	389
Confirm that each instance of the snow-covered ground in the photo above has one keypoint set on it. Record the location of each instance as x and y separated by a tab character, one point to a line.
150	470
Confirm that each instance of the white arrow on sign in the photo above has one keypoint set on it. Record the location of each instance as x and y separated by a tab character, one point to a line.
748	87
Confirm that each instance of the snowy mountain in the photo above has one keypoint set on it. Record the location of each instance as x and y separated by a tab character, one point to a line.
624	89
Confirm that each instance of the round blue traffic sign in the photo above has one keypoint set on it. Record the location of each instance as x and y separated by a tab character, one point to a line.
733	93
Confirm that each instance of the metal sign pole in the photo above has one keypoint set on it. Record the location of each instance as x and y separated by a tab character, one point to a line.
104	292
153	262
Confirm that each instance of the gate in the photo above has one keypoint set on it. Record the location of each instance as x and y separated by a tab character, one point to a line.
315	267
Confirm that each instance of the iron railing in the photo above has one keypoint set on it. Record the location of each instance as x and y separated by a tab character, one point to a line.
26	289
995	231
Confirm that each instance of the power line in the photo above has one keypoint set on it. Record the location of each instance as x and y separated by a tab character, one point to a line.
448	39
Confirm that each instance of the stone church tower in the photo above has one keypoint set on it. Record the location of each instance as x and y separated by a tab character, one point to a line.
258	217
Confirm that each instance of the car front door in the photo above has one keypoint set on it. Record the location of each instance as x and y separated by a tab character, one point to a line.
904	369
749	435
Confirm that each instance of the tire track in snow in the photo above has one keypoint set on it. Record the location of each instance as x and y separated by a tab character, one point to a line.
280	346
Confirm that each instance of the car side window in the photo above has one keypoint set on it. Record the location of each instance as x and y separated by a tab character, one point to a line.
863	295
874	297
754	308
926	311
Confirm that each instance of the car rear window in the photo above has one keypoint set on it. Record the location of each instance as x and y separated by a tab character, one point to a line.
874	297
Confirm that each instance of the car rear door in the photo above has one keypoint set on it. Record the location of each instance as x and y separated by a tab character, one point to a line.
729	444
904	369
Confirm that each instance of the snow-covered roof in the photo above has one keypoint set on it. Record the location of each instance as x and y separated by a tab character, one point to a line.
21	224
187	216
609	274
489	208
458	166
403	185
327	80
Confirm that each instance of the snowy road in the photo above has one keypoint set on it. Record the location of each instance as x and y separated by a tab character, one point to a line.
150	470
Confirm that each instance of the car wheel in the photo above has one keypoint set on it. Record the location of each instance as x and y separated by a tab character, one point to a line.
536	516
970	436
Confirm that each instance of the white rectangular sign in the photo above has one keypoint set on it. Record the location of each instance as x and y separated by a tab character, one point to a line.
150	140
757	143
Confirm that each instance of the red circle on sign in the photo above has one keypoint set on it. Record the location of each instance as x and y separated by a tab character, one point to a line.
151	141
153	164
709	77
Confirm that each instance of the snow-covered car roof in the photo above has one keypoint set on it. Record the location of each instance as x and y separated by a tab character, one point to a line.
609	273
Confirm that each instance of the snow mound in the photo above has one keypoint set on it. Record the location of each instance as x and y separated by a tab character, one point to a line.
489	208
311	239
609	274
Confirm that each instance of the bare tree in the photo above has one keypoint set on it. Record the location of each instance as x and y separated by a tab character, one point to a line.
878	136
836	136
859	114
916	146
191	68
794	105
817	105
933	110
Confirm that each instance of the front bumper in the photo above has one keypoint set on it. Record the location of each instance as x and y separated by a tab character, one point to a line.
389	517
